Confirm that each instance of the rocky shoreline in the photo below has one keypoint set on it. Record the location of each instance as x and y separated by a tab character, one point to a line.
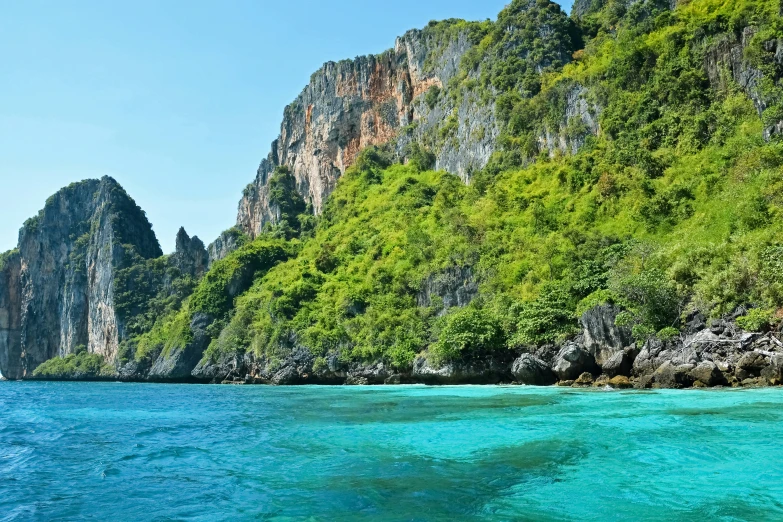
706	354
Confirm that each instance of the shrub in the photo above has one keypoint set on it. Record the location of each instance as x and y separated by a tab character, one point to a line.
651	299
79	365
229	277
432	96
757	320
469	333
668	333
547	318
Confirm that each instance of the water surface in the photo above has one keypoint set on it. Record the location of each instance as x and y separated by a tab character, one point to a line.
79	451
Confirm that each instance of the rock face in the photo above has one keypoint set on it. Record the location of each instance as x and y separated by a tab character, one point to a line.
226	243
572	361
368	101
190	256
454	287
529	369
580	120
726	61
56	293
602	338
10	315
178	363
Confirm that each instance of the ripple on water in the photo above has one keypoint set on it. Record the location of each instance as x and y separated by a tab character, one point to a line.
130	452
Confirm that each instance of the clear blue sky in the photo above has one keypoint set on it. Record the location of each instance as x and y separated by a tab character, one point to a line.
178	100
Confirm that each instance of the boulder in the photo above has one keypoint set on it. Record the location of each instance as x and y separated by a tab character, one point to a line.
286	375
620	363
585	380
490	370
707	373
572	361
673	376
620	381
602	338
529	369
751	364
773	373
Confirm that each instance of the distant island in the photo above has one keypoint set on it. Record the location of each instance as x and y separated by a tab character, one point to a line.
583	200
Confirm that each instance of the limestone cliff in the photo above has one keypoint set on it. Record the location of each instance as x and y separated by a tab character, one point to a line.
56	291
726	60
368	101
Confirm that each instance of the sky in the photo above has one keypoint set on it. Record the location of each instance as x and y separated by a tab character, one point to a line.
178	100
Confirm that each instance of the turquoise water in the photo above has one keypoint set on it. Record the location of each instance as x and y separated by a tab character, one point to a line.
165	452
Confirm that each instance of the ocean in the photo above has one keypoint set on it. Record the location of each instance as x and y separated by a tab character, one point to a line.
106	451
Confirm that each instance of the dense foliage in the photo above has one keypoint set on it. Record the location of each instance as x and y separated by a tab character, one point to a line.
78	365
671	207
213	298
670	203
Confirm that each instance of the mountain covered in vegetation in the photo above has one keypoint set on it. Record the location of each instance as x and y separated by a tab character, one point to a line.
538	198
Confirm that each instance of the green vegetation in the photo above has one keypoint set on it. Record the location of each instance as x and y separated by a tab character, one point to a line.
6	256
78	365
165	322
289	205
673	206
147	290
758	320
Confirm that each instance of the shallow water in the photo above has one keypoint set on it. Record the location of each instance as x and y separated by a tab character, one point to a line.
169	452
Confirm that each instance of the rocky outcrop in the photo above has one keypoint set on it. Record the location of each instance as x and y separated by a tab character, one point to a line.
572	361
190	255
177	363
529	369
726	61
580	120
453	287
57	292
10	315
371	100
718	354
491	370
227	242
602	337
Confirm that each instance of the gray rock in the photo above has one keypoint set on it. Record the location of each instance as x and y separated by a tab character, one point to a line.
669	375
621	363
453	287
728	55
773	373
227	242
602	338
577	109
373	373
531	370
178	363
488	371
11	363
57	291
572	361
708	373
753	363
190	256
